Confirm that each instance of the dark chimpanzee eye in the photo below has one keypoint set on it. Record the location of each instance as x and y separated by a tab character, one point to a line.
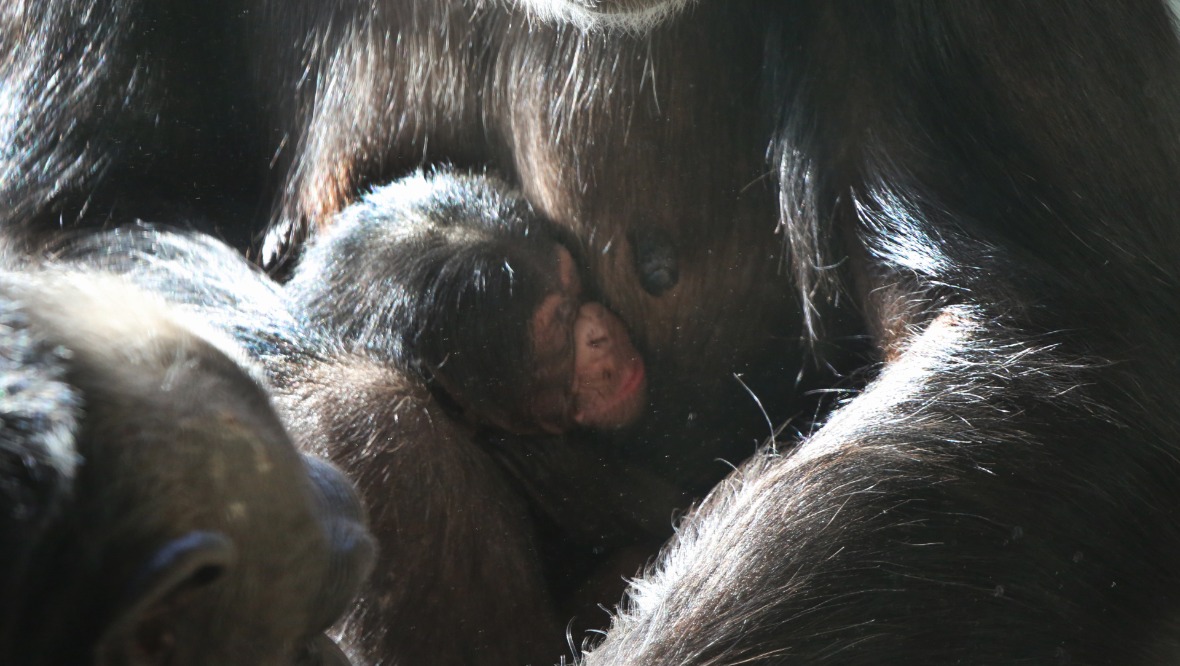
655	260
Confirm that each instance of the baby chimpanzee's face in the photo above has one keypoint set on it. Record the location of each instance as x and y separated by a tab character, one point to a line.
589	373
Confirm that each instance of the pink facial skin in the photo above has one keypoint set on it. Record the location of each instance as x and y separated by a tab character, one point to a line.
610	382
590	373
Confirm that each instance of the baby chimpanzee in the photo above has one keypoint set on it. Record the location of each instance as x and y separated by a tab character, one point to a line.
461	282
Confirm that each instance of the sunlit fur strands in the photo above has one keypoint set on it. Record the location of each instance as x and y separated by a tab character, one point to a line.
626	15
33	167
900	513
1002	492
93	131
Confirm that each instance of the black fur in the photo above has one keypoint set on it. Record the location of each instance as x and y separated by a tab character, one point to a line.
988	188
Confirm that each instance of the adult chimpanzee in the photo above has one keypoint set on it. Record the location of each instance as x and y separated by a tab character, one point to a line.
154	510
988	186
1001	178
